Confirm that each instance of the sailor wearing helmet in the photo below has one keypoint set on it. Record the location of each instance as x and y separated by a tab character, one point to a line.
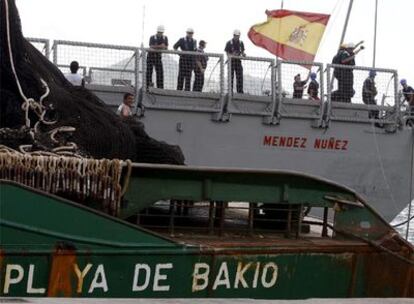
313	88
187	62
157	42
235	47
345	76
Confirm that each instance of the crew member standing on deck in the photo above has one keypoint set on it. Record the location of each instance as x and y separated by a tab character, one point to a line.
187	62
200	67
156	42
408	93
298	86
235	47
313	88
369	91
345	76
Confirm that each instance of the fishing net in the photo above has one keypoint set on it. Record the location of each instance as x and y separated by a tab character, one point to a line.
69	116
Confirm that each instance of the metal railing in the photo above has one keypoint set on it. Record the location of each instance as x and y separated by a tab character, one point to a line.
43	45
105	64
173	64
251	83
294	96
233	219
350	85
242	85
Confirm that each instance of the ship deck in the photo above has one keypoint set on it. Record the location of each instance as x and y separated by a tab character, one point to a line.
267	241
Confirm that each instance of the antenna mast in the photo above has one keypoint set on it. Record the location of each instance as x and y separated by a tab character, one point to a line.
375	33
143	26
351	2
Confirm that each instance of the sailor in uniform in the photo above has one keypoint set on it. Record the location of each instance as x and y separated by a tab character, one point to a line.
408	93
313	88
187	62
157	42
200	67
235	47
369	91
298	86
345	76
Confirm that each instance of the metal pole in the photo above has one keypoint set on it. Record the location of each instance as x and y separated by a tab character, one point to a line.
348	14
407	232
281	5
351	2
143	26
375	33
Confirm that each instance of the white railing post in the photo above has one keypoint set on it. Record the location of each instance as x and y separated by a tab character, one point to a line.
329	86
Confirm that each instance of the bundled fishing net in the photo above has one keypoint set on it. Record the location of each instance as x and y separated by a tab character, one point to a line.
41	111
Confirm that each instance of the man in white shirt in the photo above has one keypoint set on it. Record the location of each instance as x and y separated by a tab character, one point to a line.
125	109
73	77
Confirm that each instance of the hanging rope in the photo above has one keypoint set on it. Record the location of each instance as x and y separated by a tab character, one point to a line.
80	179
30	104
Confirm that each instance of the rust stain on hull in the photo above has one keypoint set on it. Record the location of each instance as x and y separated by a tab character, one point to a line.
61	273
381	278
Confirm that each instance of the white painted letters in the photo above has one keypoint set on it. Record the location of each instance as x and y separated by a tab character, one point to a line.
9	280
30	288
161	277
273	279
203	277
223	271
144	286
99	275
240	275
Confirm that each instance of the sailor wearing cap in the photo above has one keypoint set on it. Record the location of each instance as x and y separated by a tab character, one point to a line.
187	62
235	47
157	42
200	67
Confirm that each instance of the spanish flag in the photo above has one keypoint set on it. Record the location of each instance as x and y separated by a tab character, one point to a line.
290	35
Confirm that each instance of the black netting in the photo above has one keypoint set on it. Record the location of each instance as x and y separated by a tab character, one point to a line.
99	131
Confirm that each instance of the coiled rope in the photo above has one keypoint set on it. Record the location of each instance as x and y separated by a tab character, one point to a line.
30	104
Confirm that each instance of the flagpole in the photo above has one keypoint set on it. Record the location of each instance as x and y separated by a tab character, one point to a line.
348	14
375	33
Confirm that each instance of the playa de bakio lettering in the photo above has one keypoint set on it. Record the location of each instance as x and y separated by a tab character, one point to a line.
146	277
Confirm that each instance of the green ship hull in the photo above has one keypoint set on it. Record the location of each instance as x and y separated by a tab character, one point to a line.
59	248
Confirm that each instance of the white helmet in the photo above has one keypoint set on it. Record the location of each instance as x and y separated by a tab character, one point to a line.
160	29
236	32
350	45
190	30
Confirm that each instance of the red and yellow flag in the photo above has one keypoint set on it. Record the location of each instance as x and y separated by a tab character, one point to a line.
290	35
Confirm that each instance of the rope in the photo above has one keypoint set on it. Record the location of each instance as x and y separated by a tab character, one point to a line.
74	177
369	242
128	164
31	104
403	223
